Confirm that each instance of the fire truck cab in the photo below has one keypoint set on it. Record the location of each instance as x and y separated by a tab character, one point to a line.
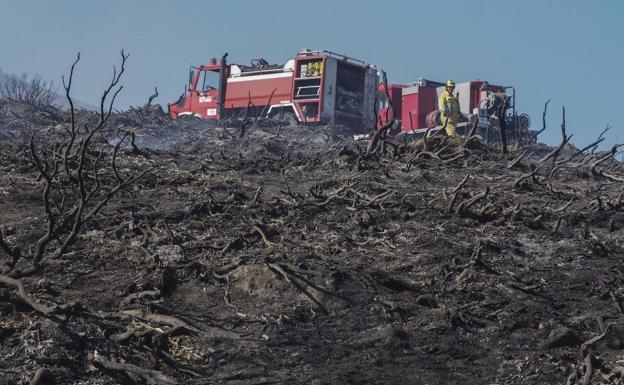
313	87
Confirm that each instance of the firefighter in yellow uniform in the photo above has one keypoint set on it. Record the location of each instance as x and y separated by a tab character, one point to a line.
314	69
449	108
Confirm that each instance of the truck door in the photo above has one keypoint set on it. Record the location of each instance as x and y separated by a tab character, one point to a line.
202	101
207	94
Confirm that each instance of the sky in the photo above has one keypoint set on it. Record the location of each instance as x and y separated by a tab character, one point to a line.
569	51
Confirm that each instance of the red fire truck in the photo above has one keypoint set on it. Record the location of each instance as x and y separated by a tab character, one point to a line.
314	87
416	106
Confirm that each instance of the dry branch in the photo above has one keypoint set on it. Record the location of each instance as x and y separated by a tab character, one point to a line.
34	91
503	123
518	181
264	110
456	190
379	133
275	268
597	171
588	368
463	207
152	377
83	191
518	159
153	96
564	207
472	131
24	296
564	140
581	151
534	137
262	234
38	377
600	137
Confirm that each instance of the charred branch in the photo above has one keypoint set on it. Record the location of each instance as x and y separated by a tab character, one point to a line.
517	160
83	192
601	136
534	137
463	207
472	131
564	140
595	170
520	180
381	132
265	109
147	375
25	296
592	146
456	190
503	123
153	96
34	91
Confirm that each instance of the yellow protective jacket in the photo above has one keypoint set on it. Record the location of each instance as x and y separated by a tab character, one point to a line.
449	107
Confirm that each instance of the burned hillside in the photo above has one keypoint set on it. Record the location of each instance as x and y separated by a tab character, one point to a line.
296	255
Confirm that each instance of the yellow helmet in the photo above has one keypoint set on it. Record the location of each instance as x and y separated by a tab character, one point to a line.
450	83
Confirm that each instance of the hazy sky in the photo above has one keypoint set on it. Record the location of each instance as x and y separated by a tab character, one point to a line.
570	51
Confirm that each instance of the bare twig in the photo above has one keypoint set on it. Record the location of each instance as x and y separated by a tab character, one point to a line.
596	171
518	181
449	207
472	131
38	377
265	239
518	159
24	296
503	124
564	207
153	96
264	110
534	137
589	369
466	204
378	133
150	376
600	136
81	178
275	268
564	140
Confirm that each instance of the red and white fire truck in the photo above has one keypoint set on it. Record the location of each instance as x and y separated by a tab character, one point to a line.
314	87
416	106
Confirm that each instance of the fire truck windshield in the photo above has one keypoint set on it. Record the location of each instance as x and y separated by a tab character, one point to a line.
208	80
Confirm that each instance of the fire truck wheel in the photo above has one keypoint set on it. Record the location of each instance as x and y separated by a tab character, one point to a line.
291	118
285	115
189	118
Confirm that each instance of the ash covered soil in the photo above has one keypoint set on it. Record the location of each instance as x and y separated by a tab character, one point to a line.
290	256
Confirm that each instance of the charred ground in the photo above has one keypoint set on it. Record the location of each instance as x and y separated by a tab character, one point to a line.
291	256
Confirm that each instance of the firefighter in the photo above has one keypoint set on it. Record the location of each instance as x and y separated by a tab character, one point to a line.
312	69
449	108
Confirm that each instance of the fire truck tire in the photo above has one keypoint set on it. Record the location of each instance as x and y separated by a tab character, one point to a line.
285	115
189	118
291	118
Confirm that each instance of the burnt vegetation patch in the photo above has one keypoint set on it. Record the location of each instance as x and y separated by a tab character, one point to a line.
136	249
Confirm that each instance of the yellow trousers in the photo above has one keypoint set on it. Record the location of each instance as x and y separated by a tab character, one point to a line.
450	126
